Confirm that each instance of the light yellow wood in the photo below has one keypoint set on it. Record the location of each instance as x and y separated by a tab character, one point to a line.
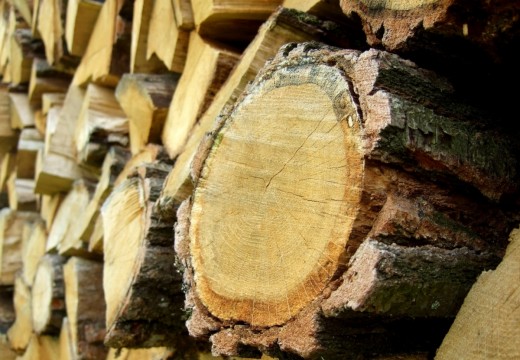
145	100
8	166
79	24
141	22
164	30
32	250
58	169
8	137
11	231
20	58
49	207
42	348
45	79
99	113
50	28
231	20
6	353
22	113
96	61
24	8
140	354
51	99
20	332
66	217
486	326
273	34
21	194
183	14
122	219
29	143
65	342
208	68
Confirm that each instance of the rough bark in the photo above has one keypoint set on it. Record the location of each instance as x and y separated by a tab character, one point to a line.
266	241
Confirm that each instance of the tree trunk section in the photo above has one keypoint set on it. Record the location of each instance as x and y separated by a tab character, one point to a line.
266	240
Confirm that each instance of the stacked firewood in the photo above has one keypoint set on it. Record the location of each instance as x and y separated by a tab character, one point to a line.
277	179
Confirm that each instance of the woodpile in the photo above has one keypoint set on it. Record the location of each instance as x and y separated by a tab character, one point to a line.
323	179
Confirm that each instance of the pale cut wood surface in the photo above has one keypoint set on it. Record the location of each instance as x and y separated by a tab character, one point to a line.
20	332
486	326
79	24
42	348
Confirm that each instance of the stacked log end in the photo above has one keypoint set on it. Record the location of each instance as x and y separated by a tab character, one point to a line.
258	179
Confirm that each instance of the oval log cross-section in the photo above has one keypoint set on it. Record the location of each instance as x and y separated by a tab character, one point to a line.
277	196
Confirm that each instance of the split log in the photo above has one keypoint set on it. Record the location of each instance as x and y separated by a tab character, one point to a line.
29	143
22	113
11	231
34	21
485	326
309	165
20	332
42	348
20	193
282	27
231	22
51	28
65	341
183	14
145	99
46	79
49	207
209	66
79	24
106	56
23	50
48	295
61	236
101	123
8	137
113	164
164	30
85	307
33	248
141	285
58	168
8	167
141	23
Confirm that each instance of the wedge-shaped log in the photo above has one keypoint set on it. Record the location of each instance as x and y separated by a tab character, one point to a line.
145	99
209	66
20	332
65	341
57	170
282	27
85	307
79	24
101	122
164	30
231	21
141	285
49	207
309	164
11	233
33	248
48	295
23	50
22	113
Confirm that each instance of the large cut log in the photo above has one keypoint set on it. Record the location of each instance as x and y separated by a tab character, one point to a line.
282	27
310	166
85	307
48	295
141	285
11	232
486	325
20	332
145	99
101	123
231	21
208	67
164	30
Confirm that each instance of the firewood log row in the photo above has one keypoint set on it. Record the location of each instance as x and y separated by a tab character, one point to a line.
275	179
